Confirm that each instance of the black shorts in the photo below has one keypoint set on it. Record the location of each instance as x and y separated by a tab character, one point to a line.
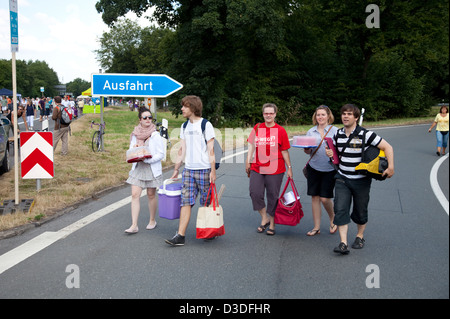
320	183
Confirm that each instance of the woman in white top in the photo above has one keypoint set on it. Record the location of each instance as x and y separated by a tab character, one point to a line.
147	173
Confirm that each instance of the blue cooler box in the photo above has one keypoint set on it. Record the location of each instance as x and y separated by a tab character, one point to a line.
169	199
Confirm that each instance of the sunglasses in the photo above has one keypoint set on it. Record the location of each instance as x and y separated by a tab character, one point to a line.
146	117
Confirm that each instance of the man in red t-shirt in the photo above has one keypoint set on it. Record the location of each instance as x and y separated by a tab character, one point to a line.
269	143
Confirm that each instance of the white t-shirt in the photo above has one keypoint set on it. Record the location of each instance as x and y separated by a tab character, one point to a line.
196	150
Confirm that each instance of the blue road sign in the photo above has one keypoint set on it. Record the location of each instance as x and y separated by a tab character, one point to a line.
154	85
14	24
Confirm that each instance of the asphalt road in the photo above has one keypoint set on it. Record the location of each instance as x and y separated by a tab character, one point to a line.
406	253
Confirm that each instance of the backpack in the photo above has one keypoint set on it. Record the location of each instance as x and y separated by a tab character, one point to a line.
66	115
373	161
218	152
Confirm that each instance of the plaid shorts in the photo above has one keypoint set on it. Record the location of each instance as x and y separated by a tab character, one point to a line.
193	182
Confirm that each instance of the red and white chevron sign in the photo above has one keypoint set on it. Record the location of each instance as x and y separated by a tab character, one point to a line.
36	152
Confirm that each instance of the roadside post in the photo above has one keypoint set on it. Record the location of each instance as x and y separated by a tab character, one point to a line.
361	117
14	23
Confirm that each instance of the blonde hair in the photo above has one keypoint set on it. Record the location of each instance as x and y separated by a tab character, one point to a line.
329	113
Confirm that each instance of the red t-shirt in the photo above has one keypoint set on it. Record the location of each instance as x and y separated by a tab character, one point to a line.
269	142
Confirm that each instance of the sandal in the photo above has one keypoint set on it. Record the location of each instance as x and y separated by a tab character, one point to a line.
272	232
313	232
333	229
262	228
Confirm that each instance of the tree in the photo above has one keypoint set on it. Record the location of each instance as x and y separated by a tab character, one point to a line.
31	76
237	55
77	86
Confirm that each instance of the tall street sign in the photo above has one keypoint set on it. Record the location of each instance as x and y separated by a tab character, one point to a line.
14	22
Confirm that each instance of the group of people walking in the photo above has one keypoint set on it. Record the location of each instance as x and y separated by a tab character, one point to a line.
53	108
266	164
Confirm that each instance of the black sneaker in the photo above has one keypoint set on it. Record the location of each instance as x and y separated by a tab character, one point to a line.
176	240
358	243
210	238
342	249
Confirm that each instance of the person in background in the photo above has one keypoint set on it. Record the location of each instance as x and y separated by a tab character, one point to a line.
48	102
320	171
146	174
4	105
21	113
30	113
267	156
81	106
441	123
61	131
41	108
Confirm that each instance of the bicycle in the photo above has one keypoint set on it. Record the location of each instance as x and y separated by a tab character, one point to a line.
97	137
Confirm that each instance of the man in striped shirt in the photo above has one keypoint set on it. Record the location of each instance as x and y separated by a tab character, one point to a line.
350	185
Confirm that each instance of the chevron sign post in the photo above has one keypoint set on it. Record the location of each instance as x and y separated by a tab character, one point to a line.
36	149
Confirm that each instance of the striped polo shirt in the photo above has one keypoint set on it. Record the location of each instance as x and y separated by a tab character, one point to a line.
352	153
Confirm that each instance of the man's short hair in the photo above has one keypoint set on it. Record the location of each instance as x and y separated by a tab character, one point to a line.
275	109
351	108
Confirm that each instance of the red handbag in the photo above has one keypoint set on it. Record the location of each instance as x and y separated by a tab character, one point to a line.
288	214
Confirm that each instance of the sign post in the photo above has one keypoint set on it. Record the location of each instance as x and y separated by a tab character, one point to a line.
14	22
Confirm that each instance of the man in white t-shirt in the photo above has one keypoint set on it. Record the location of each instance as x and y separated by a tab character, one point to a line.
66	101
197	151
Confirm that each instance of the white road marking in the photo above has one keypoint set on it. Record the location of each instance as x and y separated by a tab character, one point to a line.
435	185
33	246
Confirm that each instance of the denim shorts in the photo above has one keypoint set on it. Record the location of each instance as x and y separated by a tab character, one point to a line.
194	181
348	190
441	138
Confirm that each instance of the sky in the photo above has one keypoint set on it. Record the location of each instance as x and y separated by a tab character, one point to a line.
63	33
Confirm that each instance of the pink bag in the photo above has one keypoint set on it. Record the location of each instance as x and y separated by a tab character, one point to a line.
288	214
330	145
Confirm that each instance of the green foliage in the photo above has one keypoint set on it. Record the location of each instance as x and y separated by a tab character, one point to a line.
239	54
31	76
77	86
